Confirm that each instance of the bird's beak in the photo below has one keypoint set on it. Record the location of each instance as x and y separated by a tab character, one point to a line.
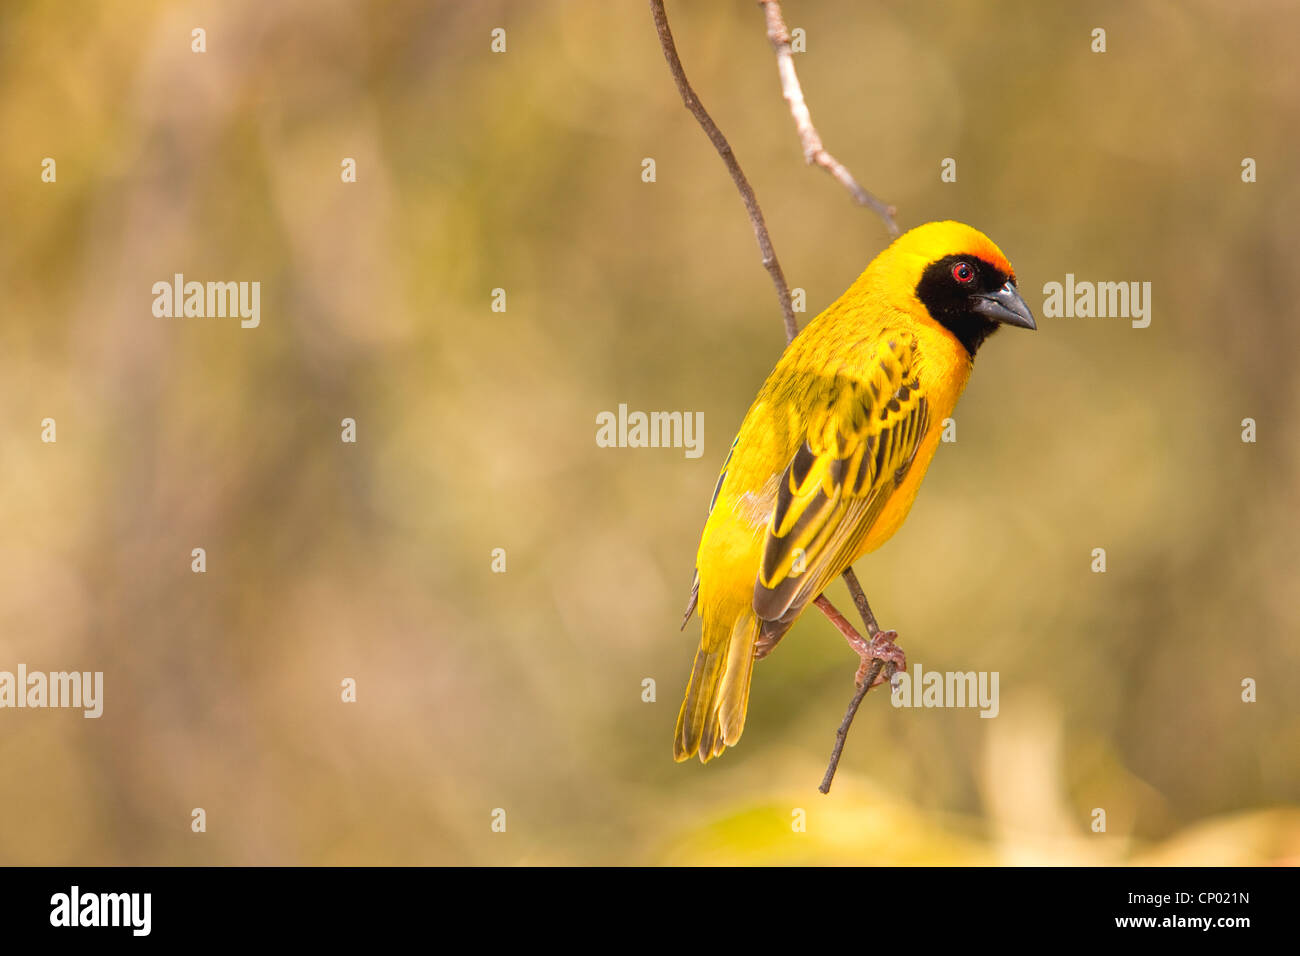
1004	306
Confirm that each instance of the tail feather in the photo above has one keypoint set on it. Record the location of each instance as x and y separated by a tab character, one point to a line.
713	713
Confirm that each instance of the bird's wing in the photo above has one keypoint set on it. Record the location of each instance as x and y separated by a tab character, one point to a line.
857	450
695	584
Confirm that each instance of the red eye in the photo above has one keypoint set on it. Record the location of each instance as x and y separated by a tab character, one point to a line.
964	273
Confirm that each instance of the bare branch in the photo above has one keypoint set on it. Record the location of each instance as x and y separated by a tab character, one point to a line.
813	150
869	621
729	158
865	649
860	599
842	733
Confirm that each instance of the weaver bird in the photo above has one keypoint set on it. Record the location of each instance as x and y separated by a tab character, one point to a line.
831	454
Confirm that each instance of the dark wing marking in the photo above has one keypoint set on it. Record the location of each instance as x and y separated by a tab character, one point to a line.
858	449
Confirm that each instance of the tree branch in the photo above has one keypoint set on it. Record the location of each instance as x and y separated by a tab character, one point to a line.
842	732
724	149
813	150
860	599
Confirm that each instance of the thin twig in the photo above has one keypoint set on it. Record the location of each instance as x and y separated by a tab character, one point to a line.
873	628
860	599
813	150
724	149
841	623
842	733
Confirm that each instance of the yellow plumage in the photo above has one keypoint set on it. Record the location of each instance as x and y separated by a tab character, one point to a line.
830	456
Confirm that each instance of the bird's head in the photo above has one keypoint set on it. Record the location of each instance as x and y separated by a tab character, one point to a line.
963	280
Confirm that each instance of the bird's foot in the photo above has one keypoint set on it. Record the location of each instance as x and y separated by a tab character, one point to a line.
879	648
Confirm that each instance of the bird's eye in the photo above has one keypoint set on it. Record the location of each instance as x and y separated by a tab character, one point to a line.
964	273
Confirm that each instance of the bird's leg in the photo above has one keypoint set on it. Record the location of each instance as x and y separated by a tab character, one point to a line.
880	647
883	646
860	647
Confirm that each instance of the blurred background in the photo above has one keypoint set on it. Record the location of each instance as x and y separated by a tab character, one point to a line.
523	690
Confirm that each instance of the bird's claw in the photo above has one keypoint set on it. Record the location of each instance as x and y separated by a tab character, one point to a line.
880	648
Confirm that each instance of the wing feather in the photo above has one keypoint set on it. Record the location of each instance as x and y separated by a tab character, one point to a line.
857	450
695	583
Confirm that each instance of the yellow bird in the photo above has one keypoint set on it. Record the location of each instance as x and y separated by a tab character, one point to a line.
831	454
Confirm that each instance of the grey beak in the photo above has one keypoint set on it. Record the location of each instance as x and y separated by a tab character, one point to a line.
1005	306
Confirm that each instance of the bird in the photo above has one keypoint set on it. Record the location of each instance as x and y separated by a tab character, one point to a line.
830	455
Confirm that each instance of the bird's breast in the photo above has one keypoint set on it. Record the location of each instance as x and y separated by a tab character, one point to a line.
942	383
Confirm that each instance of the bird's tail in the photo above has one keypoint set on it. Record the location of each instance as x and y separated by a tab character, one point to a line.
713	713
